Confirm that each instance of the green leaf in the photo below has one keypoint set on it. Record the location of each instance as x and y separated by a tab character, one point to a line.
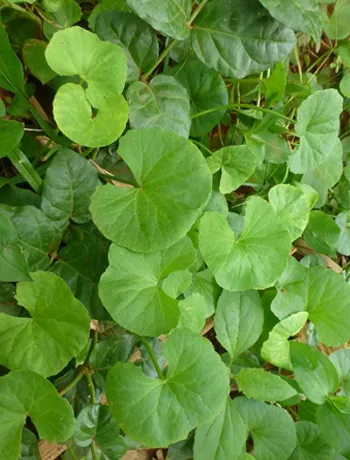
36	234
34	58
342	403
176	283
80	264
274	148
106	5
207	91
169	17
322	233
56	332
134	36
95	423
237	164
239	38
131	292
223	437
326	174
11	132
239	320
256	258
314	372
74	116
300	16
194	391
204	283
291	206
276	349
272	429
264	386
68	185
275	85
310	443
163	103
335	427
344	85
29	446
341	361
24	393
13	264
60	15
11	72
158	212
337	27
317	126
193	312
343	244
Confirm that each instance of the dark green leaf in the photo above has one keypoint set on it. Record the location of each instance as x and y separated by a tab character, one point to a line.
34	58
335	427
11	72
11	132
310	443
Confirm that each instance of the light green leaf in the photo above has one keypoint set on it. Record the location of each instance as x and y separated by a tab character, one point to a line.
343	244
322	233
207	90
275	85
204	283
11	72
239	320
237	164
68	185
163	103
36	234
176	283
134	36
11	132
291	289
223	437
193	392
341	361
264	386
304	16
337	27
106	5
256	258
326	174
13	264
272	429
158	212
74	116
291	206
276	349
95	423
239	38
168	17
275	149
344	84
23	394
314	372
56	332
310	443
343	51
335	427
342	403
193	312
34	58
317	126
131	292
102	65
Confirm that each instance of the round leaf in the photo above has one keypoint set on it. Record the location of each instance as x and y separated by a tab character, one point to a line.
240	38
341	361
164	104
194	391
337	27
237	164
24	393
130	288
136	38
252	261
56	332
158	212
291	206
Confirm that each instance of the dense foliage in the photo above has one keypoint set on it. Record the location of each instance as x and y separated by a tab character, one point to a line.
175	228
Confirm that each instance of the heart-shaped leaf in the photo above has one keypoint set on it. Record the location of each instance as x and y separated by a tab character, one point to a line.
238	38
22	394
310	443
131	291
56	332
194	391
252	261
158	212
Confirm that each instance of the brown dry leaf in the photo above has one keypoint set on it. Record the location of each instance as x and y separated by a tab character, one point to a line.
50	450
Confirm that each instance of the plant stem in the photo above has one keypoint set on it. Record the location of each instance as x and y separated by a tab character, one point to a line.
244	106
71	452
73	383
123	180
202	146
91	387
153	357
25	168
160	59
93	450
197	11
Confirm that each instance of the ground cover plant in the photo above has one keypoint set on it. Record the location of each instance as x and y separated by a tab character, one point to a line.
175	229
